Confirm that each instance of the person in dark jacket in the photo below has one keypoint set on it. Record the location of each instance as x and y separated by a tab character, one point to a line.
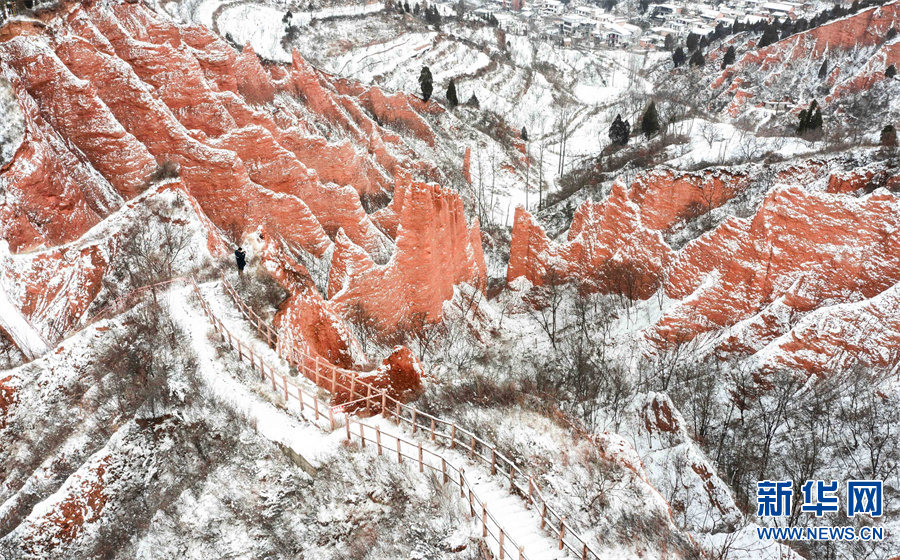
241	257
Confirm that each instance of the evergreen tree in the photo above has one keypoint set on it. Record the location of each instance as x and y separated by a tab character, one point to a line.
426	83
678	57
650	121
810	120
890	72
769	36
737	27
803	124
669	42
619	132
524	134
854	7
823	70
728	59
451	94
697	59
889	136
692	41
892	32
406	6
815	121
473	102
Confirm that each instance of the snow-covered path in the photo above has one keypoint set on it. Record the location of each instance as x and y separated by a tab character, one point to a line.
23	333
521	526
304	438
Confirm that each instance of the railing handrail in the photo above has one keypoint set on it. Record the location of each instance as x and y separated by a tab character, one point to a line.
398	408
503	539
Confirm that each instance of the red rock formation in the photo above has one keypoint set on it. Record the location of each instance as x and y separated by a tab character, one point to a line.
435	250
305	320
56	287
744	266
102	83
347	262
400	375
773	65
608	249
71	107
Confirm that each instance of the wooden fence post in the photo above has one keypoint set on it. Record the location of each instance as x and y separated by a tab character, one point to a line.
420	457
378	438
331	417
397	413
484	532
399	455
317	373
316	407
521	553
347	423
300	398
362	436
432	429
584	550
414	419
472	448
530	492
562	530
512	480
384	411
368	397
333	381
502	552
285	389
453	436
352	386
543	514
444	470
274	386
493	459
239	348
471	504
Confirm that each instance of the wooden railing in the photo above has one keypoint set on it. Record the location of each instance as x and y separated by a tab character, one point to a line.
386	443
329	377
280	383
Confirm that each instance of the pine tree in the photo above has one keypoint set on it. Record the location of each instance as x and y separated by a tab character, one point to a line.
678	57
692	41
650	121
426	83
769	36
889	136
728	59
406	6
697	59
823	70
451	94
473	102
803	124
815	121
524	134
890	72
669	42
854	7
619	131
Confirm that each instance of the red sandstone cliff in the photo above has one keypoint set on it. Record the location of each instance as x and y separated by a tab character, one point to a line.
435	250
803	252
